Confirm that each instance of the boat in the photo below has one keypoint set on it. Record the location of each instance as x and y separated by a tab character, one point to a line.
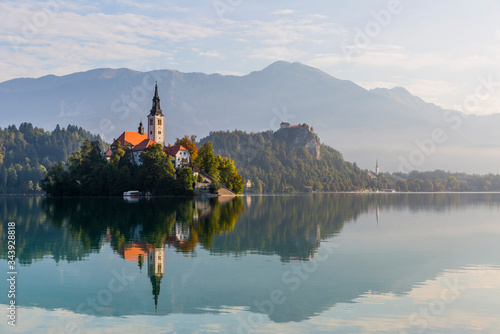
132	193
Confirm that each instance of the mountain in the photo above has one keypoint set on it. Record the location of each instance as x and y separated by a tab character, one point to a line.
391	125
291	159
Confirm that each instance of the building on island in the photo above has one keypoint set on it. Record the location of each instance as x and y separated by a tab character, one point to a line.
140	140
156	121
179	154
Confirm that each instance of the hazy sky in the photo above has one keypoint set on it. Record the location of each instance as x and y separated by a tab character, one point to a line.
442	51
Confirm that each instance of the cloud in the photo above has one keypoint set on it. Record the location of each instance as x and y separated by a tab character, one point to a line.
38	41
276	53
284	12
212	53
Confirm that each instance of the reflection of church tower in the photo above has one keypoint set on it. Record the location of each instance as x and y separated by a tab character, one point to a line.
156	261
156	125
140	260
378	213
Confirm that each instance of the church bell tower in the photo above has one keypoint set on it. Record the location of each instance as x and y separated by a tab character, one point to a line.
156	121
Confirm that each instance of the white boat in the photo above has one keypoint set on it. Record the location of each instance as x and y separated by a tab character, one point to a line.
132	193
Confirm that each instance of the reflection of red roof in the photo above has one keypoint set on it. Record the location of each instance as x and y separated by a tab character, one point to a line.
132	252
130	138
173	150
143	144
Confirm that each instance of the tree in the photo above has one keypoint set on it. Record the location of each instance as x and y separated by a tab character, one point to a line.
189	144
185	180
58	182
229	176
214	186
452	183
156	171
428	185
207	161
118	152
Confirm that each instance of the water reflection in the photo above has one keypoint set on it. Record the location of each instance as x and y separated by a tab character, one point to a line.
389	245
289	226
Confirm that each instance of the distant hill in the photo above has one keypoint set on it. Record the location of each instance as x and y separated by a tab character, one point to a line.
27	152
364	125
289	160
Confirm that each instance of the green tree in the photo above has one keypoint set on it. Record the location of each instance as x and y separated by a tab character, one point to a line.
156	171
185	180
452	183
207	161
58	181
428	185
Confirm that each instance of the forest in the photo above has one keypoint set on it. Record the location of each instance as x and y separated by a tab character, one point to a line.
275	165
278	166
27	152
272	164
88	173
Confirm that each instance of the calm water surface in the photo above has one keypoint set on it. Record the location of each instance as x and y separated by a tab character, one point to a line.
333	263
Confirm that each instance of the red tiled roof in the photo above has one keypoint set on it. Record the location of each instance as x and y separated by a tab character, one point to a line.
172	150
143	144
130	138
108	153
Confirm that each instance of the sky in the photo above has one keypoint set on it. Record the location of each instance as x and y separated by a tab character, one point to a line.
446	52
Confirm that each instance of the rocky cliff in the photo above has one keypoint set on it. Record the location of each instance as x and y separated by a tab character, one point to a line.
301	135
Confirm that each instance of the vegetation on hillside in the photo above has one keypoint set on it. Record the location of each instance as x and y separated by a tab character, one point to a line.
27	152
275	166
440	180
87	173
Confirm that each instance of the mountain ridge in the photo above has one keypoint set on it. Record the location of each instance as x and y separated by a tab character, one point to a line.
362	124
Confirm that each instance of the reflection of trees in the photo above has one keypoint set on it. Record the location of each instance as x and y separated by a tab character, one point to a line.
35	236
221	220
290	226
71	228
293	226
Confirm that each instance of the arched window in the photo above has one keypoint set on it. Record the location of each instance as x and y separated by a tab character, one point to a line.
159	122
151	121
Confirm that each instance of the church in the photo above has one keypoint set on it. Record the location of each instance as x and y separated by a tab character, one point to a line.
140	140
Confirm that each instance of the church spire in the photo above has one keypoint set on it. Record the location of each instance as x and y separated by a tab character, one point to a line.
156	110
156	125
141	128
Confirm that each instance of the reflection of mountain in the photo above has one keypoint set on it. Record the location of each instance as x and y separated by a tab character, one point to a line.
370	258
289	226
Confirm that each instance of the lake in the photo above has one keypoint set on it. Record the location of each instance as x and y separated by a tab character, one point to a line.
332	263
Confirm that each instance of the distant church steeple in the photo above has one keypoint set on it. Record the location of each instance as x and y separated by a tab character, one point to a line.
141	128
156	119
156	110
377	170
